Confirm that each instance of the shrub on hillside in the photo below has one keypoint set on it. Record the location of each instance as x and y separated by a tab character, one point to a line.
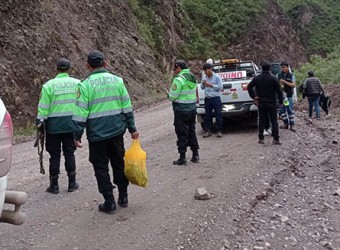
327	69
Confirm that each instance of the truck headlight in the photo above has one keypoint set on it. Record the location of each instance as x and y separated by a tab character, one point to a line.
228	107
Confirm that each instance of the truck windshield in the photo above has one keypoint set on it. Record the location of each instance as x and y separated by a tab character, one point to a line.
275	68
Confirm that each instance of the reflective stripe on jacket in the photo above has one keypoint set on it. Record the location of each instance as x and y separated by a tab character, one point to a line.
103	106
57	103
183	91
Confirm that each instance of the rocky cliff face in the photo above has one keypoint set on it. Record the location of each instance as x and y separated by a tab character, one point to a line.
35	34
270	37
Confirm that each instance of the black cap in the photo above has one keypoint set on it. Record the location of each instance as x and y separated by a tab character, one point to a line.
95	58
63	64
311	73
265	66
207	66
180	63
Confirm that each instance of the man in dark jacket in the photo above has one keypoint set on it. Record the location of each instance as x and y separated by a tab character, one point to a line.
312	88
267	88
287	81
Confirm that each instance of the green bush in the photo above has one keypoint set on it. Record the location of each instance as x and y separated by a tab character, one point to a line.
150	25
133	4
214	25
324	68
322	33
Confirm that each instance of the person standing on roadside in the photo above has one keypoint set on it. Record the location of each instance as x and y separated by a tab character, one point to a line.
312	88
56	104
287	81
212	86
104	108
267	89
183	96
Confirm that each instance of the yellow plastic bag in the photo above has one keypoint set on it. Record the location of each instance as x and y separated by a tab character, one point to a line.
135	165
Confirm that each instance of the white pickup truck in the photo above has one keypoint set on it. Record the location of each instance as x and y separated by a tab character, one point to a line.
236	101
15	217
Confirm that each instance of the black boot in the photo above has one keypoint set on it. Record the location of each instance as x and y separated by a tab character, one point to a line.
72	184
195	158
54	187
123	200
109	206
181	160
122	197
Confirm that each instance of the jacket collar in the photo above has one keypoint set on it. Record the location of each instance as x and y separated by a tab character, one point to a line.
60	75
99	70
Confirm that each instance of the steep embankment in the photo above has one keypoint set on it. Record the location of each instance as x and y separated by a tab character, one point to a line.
35	34
271	37
140	40
316	22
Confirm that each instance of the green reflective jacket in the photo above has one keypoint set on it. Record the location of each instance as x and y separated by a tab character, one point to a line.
57	102
103	106
183	92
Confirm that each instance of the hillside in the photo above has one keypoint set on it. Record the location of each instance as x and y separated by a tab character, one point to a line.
141	39
35	35
316	22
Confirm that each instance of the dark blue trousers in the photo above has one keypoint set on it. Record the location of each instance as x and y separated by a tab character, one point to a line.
213	103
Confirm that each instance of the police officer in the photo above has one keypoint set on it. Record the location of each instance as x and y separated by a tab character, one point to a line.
103	106
55	108
183	96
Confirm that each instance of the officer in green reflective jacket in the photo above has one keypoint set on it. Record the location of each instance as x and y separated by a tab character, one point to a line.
103	107
183	96
56	104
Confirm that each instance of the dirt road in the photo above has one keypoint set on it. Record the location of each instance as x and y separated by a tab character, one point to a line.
264	197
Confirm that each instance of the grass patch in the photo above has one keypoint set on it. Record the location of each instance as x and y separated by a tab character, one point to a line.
150	25
29	130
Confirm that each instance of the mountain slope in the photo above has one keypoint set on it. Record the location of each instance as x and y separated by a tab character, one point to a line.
140	38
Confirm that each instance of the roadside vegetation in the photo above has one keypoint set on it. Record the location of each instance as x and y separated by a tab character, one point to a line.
209	27
149	24
324	68
25	131
214	25
317	22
